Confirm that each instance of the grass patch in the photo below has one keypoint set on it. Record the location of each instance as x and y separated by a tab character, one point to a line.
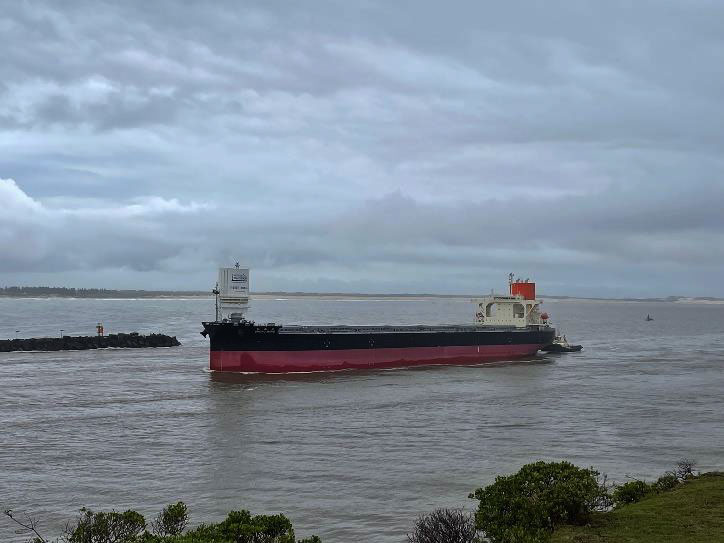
693	512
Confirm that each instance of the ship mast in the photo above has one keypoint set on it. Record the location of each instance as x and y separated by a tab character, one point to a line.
215	292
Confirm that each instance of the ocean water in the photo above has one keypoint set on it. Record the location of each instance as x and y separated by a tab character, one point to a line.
350	456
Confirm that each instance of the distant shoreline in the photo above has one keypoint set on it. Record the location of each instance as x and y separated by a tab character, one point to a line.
108	294
414	297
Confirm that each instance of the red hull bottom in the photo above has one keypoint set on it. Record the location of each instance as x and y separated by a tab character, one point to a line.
304	361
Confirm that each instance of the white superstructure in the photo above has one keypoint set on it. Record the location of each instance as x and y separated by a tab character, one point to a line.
232	293
520	308
517	309
499	310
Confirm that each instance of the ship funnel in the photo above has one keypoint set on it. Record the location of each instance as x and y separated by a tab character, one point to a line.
233	293
525	289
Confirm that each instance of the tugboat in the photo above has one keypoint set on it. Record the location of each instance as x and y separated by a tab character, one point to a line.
560	345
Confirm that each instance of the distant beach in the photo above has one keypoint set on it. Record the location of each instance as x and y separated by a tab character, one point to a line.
98	293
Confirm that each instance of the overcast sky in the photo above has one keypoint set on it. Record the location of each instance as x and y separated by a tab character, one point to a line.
364	146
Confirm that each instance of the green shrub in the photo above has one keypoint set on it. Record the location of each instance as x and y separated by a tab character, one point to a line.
631	492
634	491
172	520
110	527
242	527
130	527
525	507
666	482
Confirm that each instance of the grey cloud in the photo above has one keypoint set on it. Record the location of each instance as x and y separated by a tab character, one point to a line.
366	145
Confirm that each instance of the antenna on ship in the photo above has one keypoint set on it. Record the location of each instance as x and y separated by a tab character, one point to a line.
215	292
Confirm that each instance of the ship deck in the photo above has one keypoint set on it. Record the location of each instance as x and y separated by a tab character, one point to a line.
397	329
372	329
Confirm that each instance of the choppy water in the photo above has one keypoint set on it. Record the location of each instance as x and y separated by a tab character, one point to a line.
351	456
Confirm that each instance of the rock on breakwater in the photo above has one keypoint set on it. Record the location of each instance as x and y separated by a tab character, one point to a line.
78	343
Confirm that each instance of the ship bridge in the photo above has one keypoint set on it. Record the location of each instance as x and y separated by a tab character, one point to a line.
519	308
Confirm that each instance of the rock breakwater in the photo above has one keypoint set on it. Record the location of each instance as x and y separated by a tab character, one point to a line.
79	343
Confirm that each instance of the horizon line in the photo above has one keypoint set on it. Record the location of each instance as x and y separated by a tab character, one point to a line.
199	293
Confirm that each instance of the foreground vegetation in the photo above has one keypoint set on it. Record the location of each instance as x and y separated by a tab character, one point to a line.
557	502
692	512
168	527
544	502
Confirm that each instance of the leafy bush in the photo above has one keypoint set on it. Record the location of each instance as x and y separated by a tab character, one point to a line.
525	507
172	520
634	491
110	527
631	492
130	527
666	482
242	527
444	526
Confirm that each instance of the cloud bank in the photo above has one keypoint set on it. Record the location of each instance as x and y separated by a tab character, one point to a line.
378	148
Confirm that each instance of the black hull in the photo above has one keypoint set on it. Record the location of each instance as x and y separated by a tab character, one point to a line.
245	347
228	336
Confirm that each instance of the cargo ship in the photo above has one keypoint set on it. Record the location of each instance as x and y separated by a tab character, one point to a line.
505	327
